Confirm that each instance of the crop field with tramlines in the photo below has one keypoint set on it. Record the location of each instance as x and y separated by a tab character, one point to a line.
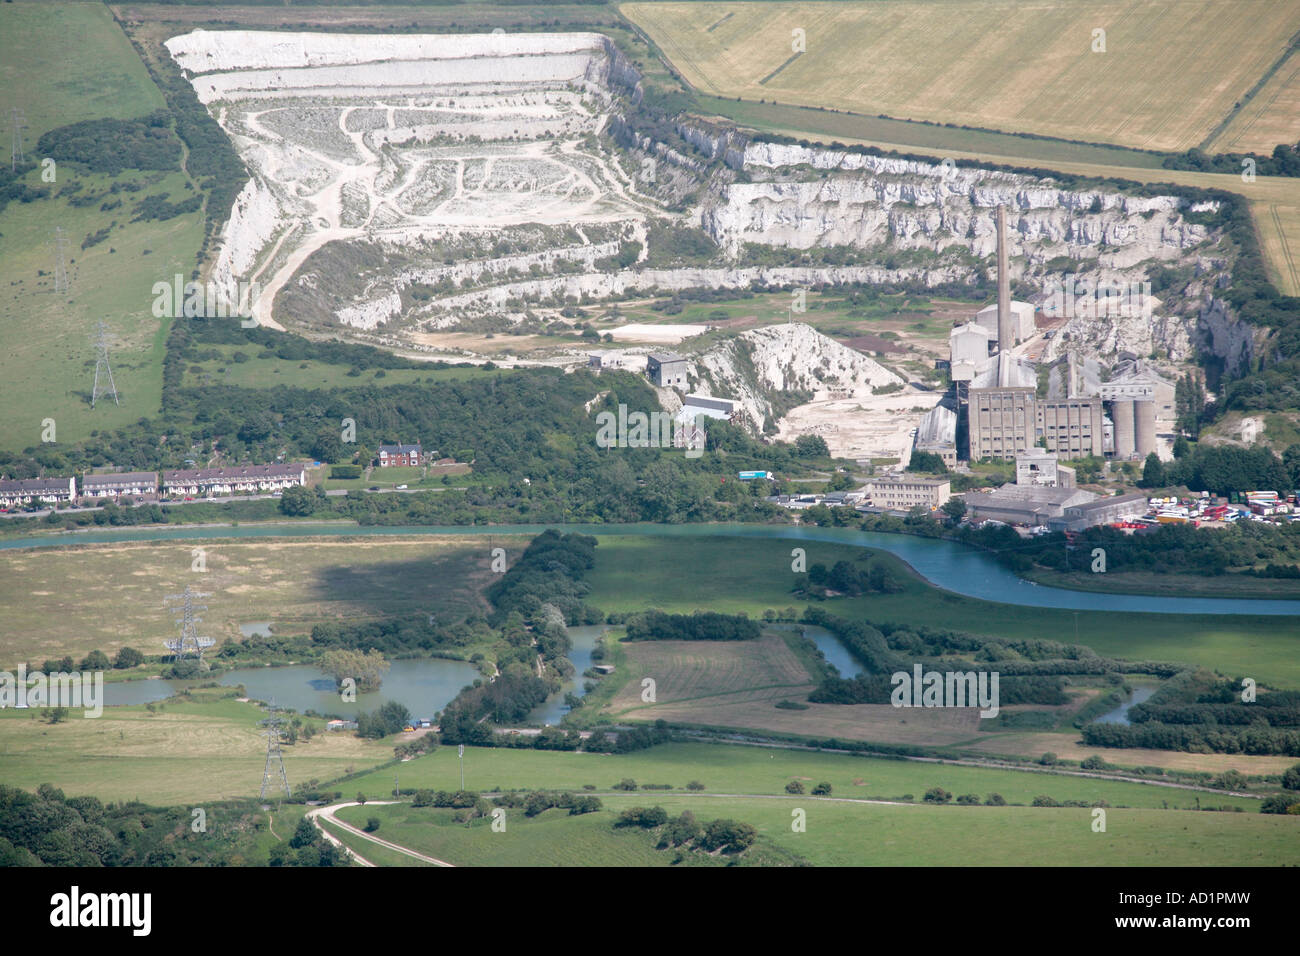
1169	74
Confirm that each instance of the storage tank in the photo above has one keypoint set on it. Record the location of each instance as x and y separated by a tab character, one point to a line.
1144	427
1125	439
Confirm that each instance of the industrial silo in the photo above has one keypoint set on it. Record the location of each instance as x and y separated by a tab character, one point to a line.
1144	427
1121	410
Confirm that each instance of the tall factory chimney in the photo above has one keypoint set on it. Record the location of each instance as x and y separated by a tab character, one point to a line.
1006	332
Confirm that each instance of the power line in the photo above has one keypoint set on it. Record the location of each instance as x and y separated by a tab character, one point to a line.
17	123
101	365
274	756
188	621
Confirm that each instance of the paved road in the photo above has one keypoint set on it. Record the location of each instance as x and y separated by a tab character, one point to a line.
173	502
328	814
963	762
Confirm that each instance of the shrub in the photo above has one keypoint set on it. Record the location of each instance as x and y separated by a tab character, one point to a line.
937	795
822	789
647	818
995	800
794	786
968	799
729	836
372	824
1280	803
127	657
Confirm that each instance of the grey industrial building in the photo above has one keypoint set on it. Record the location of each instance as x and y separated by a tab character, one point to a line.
937	434
904	492
1033	505
1041	467
1002	422
1071	427
999	412
667	370
1089	514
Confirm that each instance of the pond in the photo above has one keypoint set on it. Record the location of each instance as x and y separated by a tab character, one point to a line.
1120	714
835	653
425	686
583	639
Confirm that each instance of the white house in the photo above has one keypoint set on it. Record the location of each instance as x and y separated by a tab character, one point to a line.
242	479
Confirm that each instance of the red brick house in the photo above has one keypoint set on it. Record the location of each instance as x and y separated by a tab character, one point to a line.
399	455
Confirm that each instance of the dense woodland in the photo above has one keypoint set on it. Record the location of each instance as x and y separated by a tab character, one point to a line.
47	828
655	625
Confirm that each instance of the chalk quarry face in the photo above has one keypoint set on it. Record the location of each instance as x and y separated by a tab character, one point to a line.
398	145
404	185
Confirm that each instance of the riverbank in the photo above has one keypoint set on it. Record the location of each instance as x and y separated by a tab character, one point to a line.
1231	586
943	563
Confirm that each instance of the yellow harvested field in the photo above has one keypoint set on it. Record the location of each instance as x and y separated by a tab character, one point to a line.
1170	72
1279	236
1271	117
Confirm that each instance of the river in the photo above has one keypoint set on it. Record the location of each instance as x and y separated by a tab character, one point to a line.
945	564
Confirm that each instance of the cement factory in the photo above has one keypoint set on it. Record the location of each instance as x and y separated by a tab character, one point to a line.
997	408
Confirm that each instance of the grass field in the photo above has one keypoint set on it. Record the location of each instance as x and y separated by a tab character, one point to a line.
186	752
48	360
378	855
738	684
691	670
1170	72
922	136
253	371
69	601
751	575
845	834
552	839
1170	585
733	768
64	62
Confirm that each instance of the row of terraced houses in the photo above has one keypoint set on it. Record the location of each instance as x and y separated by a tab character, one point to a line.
177	483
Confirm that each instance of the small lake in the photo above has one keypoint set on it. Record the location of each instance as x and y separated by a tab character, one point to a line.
253	628
583	639
835	653
425	686
1120	714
